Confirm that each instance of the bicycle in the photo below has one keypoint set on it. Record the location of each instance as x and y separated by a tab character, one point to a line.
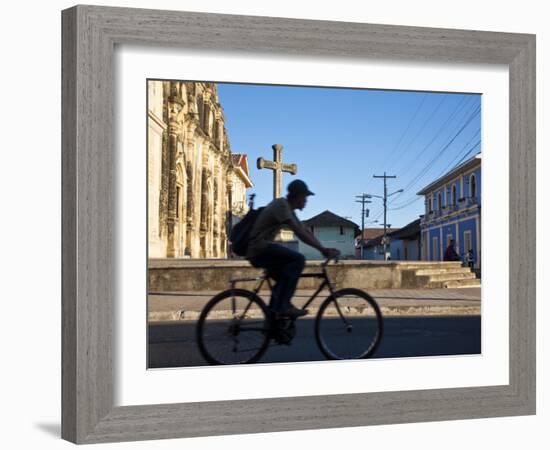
235	326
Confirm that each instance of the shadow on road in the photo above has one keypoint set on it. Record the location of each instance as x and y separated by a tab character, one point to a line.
174	345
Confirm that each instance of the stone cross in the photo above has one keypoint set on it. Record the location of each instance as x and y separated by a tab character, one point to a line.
278	168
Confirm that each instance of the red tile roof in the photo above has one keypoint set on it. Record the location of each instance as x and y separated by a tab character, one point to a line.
372	233
240	160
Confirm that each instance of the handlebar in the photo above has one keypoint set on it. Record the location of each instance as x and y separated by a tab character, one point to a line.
335	258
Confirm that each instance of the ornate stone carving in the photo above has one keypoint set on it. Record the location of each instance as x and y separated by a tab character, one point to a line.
216	205
195	138
204	201
190	199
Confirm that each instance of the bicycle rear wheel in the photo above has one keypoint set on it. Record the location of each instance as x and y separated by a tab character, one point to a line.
233	328
348	325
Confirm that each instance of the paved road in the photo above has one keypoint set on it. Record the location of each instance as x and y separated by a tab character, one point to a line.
393	302
172	344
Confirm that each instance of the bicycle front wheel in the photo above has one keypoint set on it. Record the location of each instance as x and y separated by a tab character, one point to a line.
348	325
233	328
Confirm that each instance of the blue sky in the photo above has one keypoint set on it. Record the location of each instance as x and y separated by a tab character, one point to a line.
340	138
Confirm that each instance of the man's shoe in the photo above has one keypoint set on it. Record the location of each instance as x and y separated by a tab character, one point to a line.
293	312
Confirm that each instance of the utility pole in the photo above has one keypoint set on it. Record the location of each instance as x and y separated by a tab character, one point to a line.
385	200
363	202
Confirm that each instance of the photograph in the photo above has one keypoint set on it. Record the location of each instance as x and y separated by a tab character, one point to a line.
307	223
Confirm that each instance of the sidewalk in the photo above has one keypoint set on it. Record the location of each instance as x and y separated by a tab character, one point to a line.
177	306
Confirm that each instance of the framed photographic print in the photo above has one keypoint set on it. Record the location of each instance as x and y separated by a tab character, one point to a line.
177	125
420	292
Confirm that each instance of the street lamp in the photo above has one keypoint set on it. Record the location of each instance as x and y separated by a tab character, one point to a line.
396	192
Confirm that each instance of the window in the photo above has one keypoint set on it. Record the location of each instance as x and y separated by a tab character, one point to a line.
473	187
425	255
215	128
200	110
435	249
206	119
453	195
178	201
312	229
430	209
467	241
220	135
210	122
439	201
341	229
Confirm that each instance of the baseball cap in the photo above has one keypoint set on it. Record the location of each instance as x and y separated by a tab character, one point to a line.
298	187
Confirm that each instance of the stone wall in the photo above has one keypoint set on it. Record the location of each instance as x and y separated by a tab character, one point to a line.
167	275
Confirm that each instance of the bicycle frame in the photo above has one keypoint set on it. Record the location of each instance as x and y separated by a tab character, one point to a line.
280	328
265	278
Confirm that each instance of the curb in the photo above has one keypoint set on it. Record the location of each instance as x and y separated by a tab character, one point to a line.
387	311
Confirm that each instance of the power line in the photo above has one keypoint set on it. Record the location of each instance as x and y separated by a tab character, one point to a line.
458	108
419	197
444	126
428	166
408	204
469	113
467	154
425	123
449	165
390	155
408	126
461	104
452	163
455	112
440	153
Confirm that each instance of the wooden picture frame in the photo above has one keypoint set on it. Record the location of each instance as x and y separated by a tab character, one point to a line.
89	37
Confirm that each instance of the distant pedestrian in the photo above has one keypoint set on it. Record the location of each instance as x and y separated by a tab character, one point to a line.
450	253
470	259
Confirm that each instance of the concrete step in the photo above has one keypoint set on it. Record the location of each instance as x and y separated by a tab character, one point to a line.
466	283
453	276
447	265
440	271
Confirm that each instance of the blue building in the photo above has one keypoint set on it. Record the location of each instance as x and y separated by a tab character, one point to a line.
404	244
453	210
366	239
374	249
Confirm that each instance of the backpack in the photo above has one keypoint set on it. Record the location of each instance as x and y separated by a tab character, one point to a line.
240	232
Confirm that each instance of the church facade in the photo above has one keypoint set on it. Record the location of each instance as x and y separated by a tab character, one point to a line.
190	172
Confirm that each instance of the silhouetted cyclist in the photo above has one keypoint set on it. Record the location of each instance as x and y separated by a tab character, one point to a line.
283	264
